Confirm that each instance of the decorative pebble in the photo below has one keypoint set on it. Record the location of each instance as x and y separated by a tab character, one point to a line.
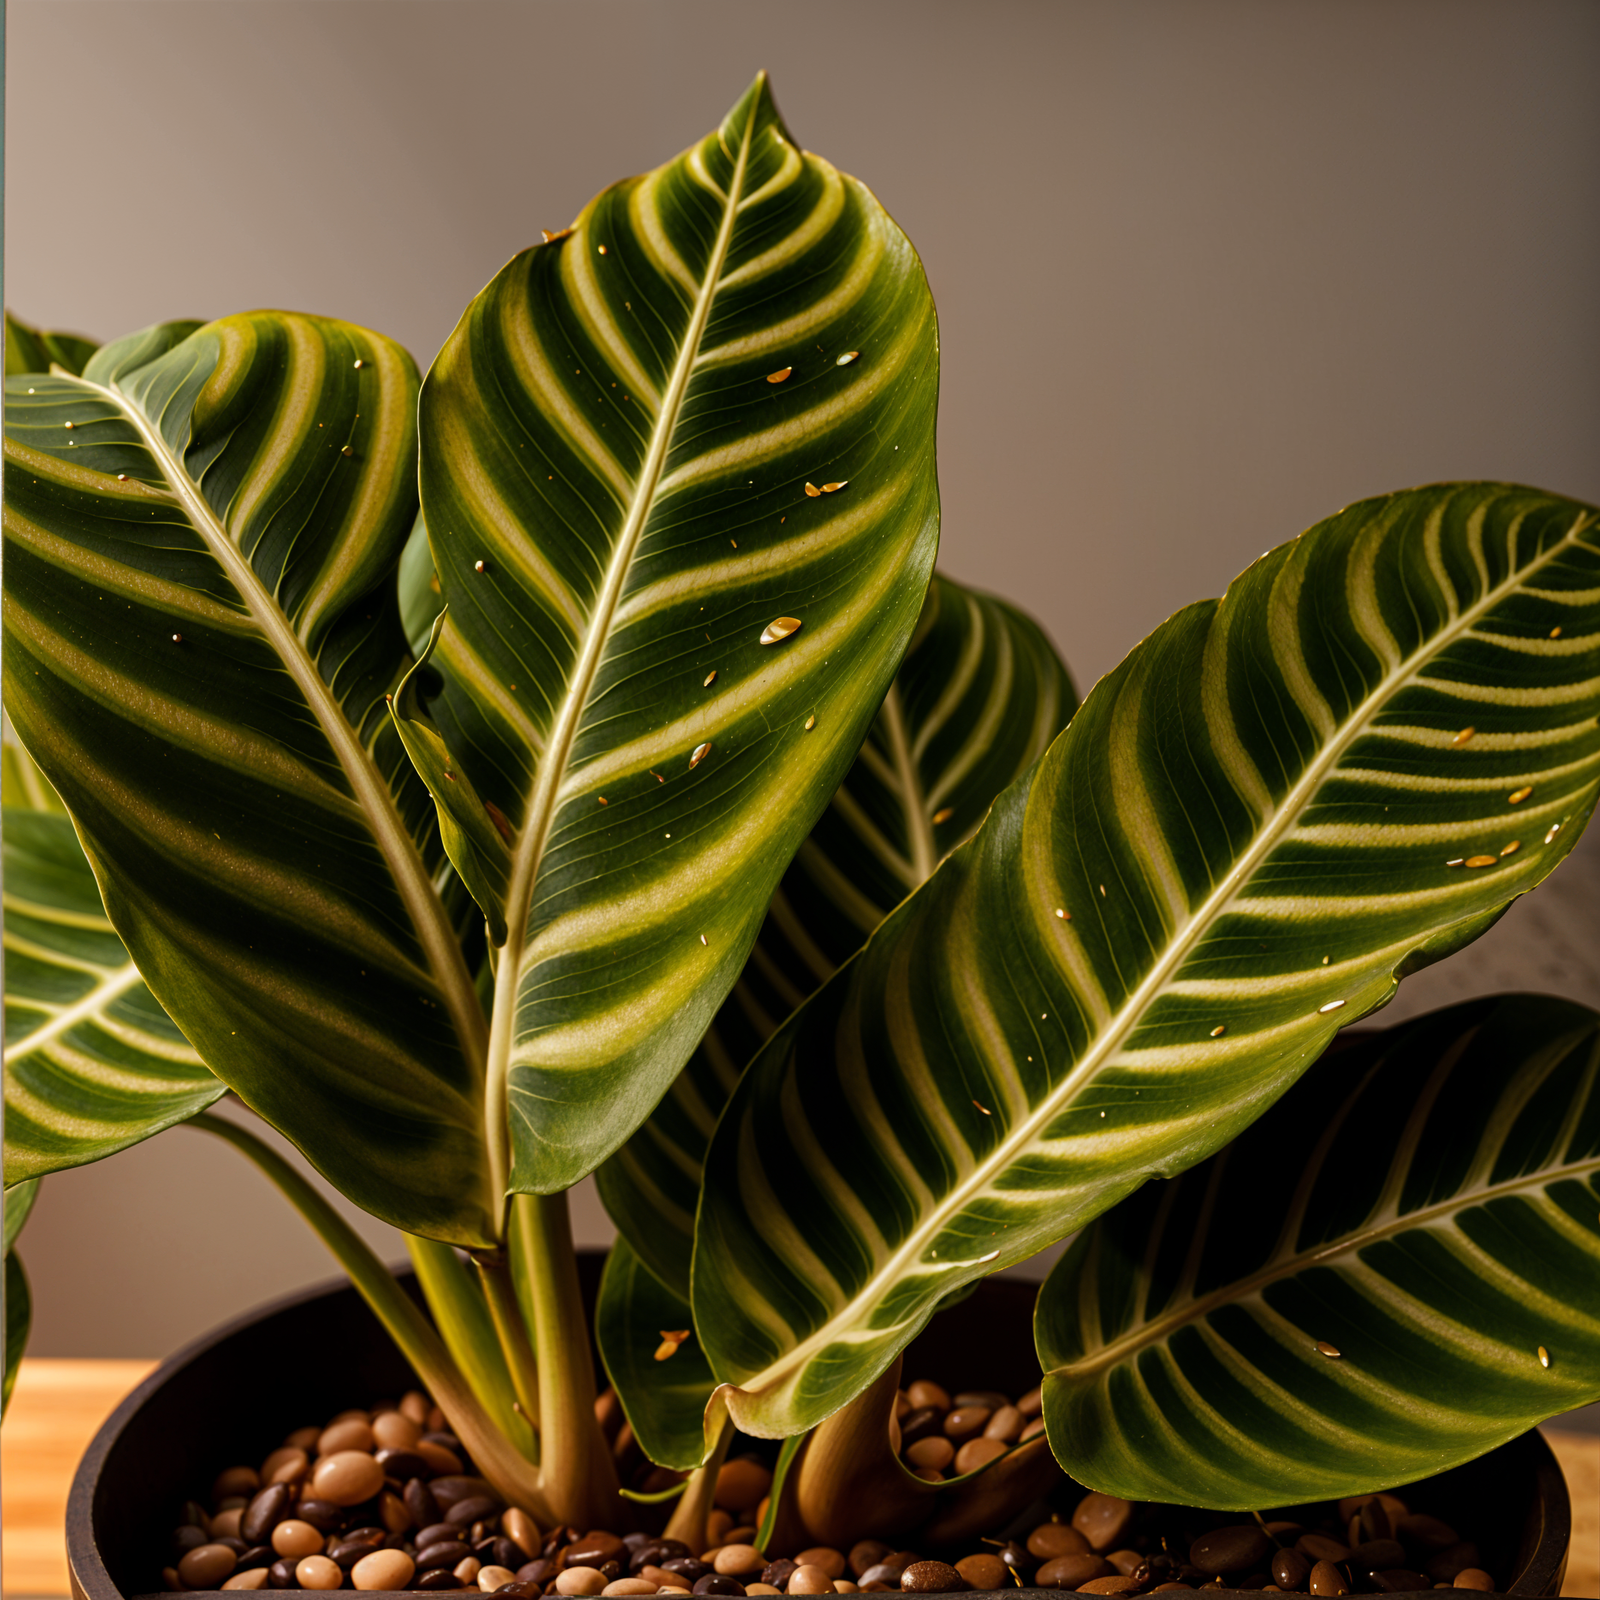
741	1483
317	1572
346	1478
389	1569
930	1577
236	1480
580	1580
738	1560
1103	1520
1052	1539
809	1580
1473	1578
255	1578
1328	1579
287	1464
394	1430
207	1565
1239	1548
984	1572
977	1453
1070	1572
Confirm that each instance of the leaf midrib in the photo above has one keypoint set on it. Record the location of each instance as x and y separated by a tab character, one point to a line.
116	982
1127	1018
924	857
445	960
553	766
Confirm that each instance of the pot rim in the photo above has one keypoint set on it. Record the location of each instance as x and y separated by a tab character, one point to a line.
1541	1575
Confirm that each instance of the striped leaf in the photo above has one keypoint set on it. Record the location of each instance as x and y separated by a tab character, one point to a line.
19	1202
92	1062
1250	831
978	698
663	1399
707	406
201	541
1422	1284
31	349
19	1317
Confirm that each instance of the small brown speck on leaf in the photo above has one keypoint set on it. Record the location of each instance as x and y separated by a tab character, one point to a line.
122	477
710	678
1463	736
779	629
1555	633
701	751
1218	1031
347	450
779	375
560	233
1326	1349
1515	845
811	722
1517	796
1481	861
177	638
501	825
602	799
1544	1356
833	488
359	363
477	566
984	1109
943	814
811	488
670	1340
847	358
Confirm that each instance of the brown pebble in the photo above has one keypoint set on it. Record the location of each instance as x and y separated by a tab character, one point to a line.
236	1480
1033	1430
1319	1547
866	1553
206	1566
1052	1539
1103	1520
295	1538
929	1577
925	1393
384	1569
1006	1423
1290	1569
267	1508
392	1512
717	1525
592	1550
415	1405
1238	1548
925	1422
493	1577
225	1525
935	1451
254	1578
738	1560
394	1430
1399	1580
1376	1553
1327	1579
317	1572
1445	1564
806	1579
1427	1533
1116	1583
580	1580
984	1572
831	1561
1070	1572
1473	1578
346	1478
964	1421
521	1530
286	1464
1127	1562
439	1578
979	1452
354	1434
741	1484
445	1462
1031	1403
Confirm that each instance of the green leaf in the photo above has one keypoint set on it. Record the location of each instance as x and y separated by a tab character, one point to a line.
616	497
200	630
978	698
22	784
664	1401
92	1062
19	1203
19	1317
1243	838
1432	1215
37	350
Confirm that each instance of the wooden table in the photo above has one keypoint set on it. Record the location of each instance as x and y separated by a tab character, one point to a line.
59	1404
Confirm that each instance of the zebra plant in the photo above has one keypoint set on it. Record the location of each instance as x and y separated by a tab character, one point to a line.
640	803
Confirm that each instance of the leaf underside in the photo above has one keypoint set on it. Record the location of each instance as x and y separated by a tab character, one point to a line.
615	493
92	1062
1432	1215
201	537
976	701
1247	834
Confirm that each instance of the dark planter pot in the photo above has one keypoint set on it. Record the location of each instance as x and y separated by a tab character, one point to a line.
233	1394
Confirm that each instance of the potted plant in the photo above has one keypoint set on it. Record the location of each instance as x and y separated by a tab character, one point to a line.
644	805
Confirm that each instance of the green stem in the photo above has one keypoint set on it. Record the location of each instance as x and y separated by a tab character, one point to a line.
689	1516
500	1295
511	1474
579	1472
468	1331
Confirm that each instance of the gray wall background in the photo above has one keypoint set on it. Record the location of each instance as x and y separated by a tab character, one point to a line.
1207	270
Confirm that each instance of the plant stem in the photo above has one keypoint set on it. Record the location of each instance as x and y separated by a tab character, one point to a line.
579	1474
494	1273
511	1474
689	1516
468	1331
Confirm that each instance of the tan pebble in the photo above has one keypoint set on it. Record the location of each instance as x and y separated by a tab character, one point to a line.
985	1571
1320	1547
979	1452
717	1525
923	1393
741	1484
294	1538
1052	1539
386	1569
580	1580
348	1477
733	1559
934	1451
743	1534
445	1463
170	1580
235	1502
928	1474
902	1403
1116	1583
1127	1562
236	1480
521	1530
467	1569
825	1556
659	1576
806	1579
762	1588
931	1577
1007	1423
436	1421
354	1434
317	1572
1033	1430
1327	1579
845	1586
394	1430
966	1420
1032	1403
206	1565
255	1578
1103	1520
285	1465
1473	1578
415	1404
225	1525
303	1439
631	1586
353	1414
1070	1572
